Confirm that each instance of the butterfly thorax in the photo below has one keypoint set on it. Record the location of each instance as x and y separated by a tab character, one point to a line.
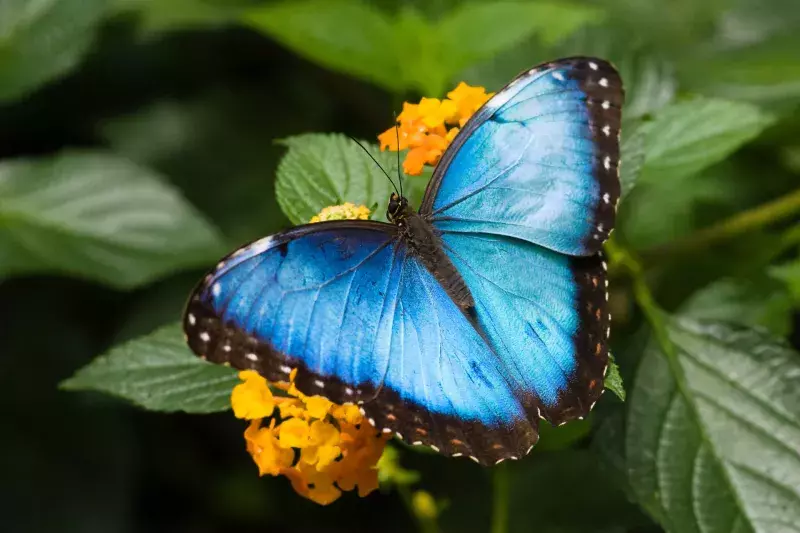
424	242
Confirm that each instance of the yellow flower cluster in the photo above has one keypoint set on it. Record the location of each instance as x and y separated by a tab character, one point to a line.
346	211
428	128
323	448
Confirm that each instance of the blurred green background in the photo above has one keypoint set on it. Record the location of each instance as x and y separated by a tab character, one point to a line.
168	111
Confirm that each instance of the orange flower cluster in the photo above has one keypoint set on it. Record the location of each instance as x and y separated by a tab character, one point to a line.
428	128
323	448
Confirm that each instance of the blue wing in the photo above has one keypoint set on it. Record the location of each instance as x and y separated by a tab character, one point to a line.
538	162
545	316
524	199
362	321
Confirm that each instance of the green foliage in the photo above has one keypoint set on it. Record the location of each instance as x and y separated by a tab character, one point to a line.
714	429
687	137
571	494
41	40
680	141
159	373
613	380
157	15
321	170
632	148
97	216
314	28
757	301
407	51
789	273
120	156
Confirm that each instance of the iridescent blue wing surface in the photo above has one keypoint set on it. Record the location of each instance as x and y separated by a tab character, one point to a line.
544	315
538	162
363	321
524	198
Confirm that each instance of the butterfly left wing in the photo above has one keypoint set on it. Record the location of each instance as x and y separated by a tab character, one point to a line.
539	161
362	321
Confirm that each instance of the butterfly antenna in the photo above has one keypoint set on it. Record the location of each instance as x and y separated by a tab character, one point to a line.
399	176
376	162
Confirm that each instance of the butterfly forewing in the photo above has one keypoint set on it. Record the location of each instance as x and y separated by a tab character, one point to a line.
539	161
362	321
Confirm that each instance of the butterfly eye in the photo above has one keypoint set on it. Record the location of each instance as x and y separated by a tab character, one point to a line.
394	205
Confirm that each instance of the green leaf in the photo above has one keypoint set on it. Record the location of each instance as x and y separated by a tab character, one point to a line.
42	40
160	373
713	431
98	217
657	211
344	35
613	380
789	274
158	16
407	50
649	85
757	301
632	156
686	137
763	72
320	170
218	148
476	32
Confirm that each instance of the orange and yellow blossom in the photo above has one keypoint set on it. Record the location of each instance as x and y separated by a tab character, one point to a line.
426	129
323	448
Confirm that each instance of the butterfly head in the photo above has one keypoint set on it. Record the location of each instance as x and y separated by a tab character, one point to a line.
398	208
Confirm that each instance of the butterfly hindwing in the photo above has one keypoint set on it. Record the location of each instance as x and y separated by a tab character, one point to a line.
361	320
545	316
539	161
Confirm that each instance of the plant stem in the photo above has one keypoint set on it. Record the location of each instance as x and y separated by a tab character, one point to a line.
500	490
652	312
749	220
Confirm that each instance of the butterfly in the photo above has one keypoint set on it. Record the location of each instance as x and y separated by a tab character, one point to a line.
458	326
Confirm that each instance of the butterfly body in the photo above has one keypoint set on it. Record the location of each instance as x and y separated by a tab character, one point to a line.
424	242
462	325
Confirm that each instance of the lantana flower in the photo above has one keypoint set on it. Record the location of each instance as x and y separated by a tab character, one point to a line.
321	447
426	129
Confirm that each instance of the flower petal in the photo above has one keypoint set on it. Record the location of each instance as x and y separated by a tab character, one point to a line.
293	433
252	399
326	455
317	406
320	485
323	433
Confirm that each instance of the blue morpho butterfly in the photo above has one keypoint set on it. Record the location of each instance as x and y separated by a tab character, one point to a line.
460	325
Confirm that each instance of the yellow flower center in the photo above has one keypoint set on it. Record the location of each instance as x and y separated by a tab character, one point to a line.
346	211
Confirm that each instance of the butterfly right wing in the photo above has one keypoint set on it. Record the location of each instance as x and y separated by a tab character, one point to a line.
538	162
362	321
